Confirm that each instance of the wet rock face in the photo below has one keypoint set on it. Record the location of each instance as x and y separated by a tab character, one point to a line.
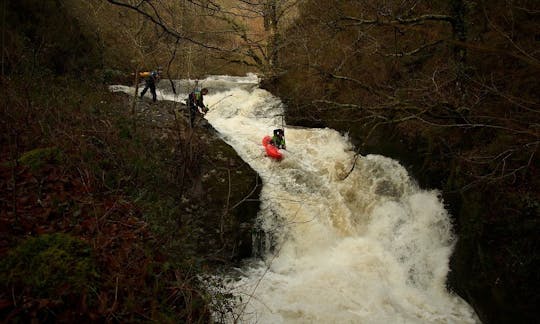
222	191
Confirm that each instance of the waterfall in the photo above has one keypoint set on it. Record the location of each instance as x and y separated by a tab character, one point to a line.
343	238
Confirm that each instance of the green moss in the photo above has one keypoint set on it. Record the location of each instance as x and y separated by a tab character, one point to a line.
36	158
49	262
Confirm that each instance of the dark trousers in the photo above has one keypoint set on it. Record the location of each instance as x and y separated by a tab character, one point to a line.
152	87
193	112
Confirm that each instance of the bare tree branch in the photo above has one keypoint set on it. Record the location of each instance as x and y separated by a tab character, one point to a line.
398	21
157	20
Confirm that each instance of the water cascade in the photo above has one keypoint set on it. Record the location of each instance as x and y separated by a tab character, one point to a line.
347	239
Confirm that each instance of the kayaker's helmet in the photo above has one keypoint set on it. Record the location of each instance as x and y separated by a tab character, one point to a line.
204	91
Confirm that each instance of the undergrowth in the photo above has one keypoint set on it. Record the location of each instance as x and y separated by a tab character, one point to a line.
89	205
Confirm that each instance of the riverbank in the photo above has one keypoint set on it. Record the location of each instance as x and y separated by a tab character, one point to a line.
123	191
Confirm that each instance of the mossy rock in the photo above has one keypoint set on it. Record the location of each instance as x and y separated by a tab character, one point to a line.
48	263
37	158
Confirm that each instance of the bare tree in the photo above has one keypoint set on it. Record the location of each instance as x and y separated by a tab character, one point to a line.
247	32
411	64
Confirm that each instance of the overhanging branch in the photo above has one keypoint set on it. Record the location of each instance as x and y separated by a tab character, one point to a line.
158	22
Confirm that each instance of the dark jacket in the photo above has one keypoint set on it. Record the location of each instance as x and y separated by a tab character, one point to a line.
196	99
278	141
151	77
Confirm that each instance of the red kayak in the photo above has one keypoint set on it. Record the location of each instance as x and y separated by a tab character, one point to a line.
271	150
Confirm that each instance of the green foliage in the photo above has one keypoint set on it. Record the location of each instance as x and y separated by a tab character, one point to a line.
50	263
36	158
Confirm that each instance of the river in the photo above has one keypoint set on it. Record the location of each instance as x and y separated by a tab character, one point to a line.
347	239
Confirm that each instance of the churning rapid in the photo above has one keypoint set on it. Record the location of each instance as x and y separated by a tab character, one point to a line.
348	240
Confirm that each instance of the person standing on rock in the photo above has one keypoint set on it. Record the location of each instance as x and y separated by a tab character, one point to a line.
196	105
152	78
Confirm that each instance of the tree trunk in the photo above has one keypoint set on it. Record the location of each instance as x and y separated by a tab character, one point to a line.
459	29
271	25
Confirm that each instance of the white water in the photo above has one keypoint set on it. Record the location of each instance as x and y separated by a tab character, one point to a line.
371	247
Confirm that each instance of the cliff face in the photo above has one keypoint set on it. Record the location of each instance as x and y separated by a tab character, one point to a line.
218	190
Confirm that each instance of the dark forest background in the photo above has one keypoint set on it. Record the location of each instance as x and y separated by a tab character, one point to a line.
448	88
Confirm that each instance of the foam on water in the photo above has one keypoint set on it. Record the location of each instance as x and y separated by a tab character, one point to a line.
360	246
